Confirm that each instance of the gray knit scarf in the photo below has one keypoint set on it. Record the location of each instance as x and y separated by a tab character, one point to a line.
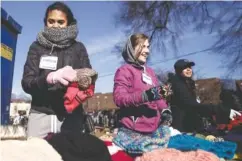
58	37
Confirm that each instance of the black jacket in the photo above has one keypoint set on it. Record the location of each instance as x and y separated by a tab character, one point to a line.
186	111
49	98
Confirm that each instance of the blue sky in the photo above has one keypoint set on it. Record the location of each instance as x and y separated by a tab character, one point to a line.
99	34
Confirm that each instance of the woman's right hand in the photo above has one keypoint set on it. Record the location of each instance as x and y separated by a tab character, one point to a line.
63	75
158	92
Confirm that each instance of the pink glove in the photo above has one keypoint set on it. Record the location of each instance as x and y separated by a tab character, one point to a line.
63	76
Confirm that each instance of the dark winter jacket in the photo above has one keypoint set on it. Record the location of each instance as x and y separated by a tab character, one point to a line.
187	113
49	98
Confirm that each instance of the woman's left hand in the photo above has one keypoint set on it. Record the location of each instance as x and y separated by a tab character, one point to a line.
69	73
165	91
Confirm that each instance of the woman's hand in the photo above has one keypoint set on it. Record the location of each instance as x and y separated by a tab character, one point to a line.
64	76
233	114
158	92
166	91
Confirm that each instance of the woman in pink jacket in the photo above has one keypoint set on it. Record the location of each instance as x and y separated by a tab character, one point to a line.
136	88
137	92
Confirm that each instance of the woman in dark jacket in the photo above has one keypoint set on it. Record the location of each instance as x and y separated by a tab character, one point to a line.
185	106
48	70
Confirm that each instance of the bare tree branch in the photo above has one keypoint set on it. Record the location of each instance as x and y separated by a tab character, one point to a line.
168	20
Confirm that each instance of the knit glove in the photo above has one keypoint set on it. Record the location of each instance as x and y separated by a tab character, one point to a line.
166	117
63	75
152	94
158	92
166	91
85	77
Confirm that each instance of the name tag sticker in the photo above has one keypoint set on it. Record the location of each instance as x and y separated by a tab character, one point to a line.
48	62
146	79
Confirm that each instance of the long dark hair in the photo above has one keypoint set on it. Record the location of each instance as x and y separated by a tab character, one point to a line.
61	7
191	85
